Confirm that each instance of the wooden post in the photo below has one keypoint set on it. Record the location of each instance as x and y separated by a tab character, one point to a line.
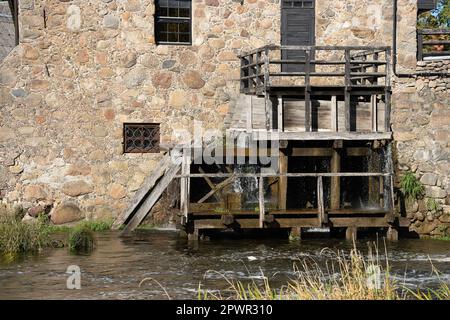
261	201
334	114
374	112
296	233
307	93
280	115
185	183
323	219
351	233
347	94
387	94
392	234
335	196
419	45
283	180
381	191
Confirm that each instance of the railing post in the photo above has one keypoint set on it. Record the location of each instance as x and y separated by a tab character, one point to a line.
266	84
307	92
258	69
347	88
419	45
387	95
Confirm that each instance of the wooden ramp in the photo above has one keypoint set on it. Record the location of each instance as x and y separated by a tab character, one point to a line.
151	190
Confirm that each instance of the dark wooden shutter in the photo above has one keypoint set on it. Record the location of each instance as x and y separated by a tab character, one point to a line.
297	28
426	4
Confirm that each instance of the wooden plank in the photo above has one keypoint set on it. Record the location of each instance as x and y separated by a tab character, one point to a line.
139	196
261	201
254	223
154	195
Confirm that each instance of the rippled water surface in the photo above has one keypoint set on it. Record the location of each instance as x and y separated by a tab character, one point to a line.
116	267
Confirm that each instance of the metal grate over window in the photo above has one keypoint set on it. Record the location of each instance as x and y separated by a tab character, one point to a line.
141	137
173	21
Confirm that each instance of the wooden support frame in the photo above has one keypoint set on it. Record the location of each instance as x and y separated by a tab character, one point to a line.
282	180
262	210
374	112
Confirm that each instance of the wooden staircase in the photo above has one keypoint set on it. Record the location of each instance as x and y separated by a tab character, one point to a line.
151	190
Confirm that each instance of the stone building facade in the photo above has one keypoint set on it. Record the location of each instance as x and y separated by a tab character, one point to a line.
83	68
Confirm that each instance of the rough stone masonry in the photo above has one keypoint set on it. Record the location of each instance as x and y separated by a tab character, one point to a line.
84	67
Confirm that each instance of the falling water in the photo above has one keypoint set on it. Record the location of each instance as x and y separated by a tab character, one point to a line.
247	187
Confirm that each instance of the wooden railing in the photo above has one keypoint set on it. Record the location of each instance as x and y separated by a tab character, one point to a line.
433	44
333	72
341	65
387	201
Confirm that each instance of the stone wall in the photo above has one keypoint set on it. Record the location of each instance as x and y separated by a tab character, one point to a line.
421	126
92	65
7	30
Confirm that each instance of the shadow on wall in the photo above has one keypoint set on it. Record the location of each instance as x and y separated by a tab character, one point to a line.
7	29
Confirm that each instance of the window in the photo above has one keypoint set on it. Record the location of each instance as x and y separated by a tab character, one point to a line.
173	21
141	137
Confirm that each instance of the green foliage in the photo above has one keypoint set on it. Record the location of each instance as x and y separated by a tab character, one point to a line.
433	205
81	239
436	19
19	237
412	188
98	225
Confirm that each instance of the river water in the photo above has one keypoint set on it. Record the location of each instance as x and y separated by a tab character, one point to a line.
116	267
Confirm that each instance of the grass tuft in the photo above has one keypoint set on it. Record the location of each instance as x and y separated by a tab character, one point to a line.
81	239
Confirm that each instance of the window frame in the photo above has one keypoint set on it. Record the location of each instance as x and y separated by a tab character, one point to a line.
158	18
156	149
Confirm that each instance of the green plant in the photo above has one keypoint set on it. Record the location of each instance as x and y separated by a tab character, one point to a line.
81	239
19	237
98	225
412	188
433	205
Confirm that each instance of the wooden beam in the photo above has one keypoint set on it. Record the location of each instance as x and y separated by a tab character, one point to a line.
323	219
300	135
280	116
218	186
185	183
351	233
347	95
374	112
334	114
335	192
211	185
261	201
282	180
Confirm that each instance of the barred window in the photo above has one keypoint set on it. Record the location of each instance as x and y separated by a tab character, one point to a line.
141	137
173	21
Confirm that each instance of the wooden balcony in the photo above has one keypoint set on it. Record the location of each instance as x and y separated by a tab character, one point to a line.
347	79
433	44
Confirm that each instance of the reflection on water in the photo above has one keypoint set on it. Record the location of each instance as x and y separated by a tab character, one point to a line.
115	268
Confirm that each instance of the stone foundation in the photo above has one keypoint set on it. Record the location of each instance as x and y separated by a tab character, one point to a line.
421	125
